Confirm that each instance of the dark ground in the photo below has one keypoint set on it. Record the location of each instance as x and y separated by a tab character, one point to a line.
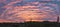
31	24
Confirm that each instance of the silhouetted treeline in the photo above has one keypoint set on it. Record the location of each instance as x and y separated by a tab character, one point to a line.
31	24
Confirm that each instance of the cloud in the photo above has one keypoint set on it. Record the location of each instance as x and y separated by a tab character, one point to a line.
31	10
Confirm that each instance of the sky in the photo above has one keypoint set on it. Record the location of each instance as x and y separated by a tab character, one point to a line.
25	10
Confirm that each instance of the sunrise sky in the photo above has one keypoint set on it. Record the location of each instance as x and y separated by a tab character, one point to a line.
24	10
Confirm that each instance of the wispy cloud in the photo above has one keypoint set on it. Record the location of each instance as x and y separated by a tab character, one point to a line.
35	10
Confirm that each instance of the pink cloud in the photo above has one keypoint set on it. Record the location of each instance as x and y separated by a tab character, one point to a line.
27	12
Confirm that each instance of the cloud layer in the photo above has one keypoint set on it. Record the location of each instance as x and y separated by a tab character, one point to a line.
20	10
